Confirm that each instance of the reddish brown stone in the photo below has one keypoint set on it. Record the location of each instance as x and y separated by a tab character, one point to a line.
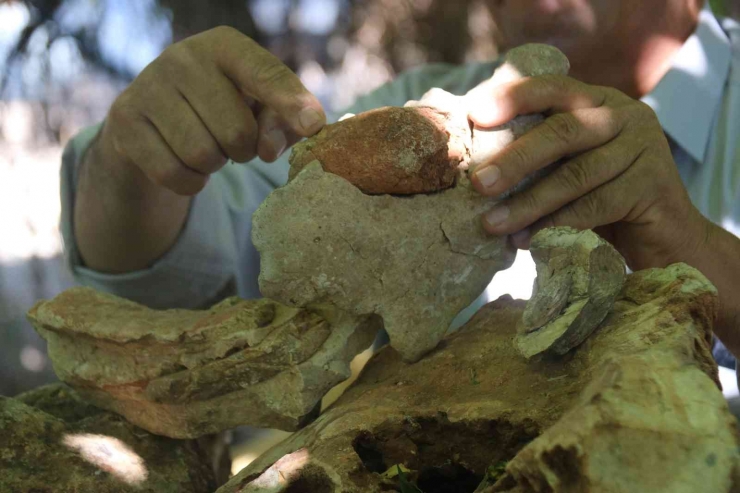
386	151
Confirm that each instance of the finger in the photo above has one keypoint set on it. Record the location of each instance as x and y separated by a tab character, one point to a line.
274	135
596	209
225	112
569	183
259	74
543	94
150	152
560	135
184	131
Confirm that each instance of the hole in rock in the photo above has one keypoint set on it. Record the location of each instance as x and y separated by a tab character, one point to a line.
366	448
448	478
442	456
313	480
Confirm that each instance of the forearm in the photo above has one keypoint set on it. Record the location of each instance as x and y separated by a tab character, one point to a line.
122	221
719	260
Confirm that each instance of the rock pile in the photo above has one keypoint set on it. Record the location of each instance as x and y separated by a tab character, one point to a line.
185	373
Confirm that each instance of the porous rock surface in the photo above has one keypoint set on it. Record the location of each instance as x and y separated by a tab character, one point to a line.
579	276
635	408
414	261
186	373
53	442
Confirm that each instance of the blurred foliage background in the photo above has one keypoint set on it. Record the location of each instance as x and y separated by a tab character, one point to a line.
62	63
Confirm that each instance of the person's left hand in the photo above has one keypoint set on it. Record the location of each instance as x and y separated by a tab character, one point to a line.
618	176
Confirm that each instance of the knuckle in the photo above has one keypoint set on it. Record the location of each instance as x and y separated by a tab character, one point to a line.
562	128
239	139
530	202
122	108
615	95
164	176
179	180
585	210
174	60
519	156
574	175
206	158
225	32
270	74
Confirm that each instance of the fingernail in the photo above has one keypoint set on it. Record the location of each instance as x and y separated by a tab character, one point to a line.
521	238
310	119
488	176
277	140
497	215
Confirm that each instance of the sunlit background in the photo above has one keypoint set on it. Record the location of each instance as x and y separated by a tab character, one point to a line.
62	63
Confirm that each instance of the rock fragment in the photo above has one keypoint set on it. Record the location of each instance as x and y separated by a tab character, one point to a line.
50	440
184	374
416	262
636	409
579	276
388	150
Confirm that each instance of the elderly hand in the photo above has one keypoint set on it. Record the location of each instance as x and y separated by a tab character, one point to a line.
618	176
213	96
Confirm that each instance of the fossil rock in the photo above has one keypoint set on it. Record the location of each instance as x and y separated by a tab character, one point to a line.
184	374
579	275
636	408
50	440
414	261
388	150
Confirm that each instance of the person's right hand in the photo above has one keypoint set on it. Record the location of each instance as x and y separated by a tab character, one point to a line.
208	98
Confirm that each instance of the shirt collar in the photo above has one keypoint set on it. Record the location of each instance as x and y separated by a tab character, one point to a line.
687	97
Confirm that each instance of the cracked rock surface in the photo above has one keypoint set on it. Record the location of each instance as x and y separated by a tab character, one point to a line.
333	235
414	261
50	440
579	276
186	373
636	408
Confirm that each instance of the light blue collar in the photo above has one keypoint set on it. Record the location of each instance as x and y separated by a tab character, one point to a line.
687	98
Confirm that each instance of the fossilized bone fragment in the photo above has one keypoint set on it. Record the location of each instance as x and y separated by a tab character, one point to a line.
333	235
579	275
185	373
638	409
414	261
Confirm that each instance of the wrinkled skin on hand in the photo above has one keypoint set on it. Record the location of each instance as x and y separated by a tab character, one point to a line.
212	97
618	175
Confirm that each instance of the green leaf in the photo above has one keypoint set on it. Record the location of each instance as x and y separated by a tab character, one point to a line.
406	485
495	471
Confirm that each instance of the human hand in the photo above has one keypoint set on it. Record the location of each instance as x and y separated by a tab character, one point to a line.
214	96
618	176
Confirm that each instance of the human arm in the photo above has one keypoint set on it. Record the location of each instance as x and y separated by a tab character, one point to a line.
618	177
209	98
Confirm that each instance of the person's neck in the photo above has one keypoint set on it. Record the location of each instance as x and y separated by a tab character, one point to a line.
641	60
